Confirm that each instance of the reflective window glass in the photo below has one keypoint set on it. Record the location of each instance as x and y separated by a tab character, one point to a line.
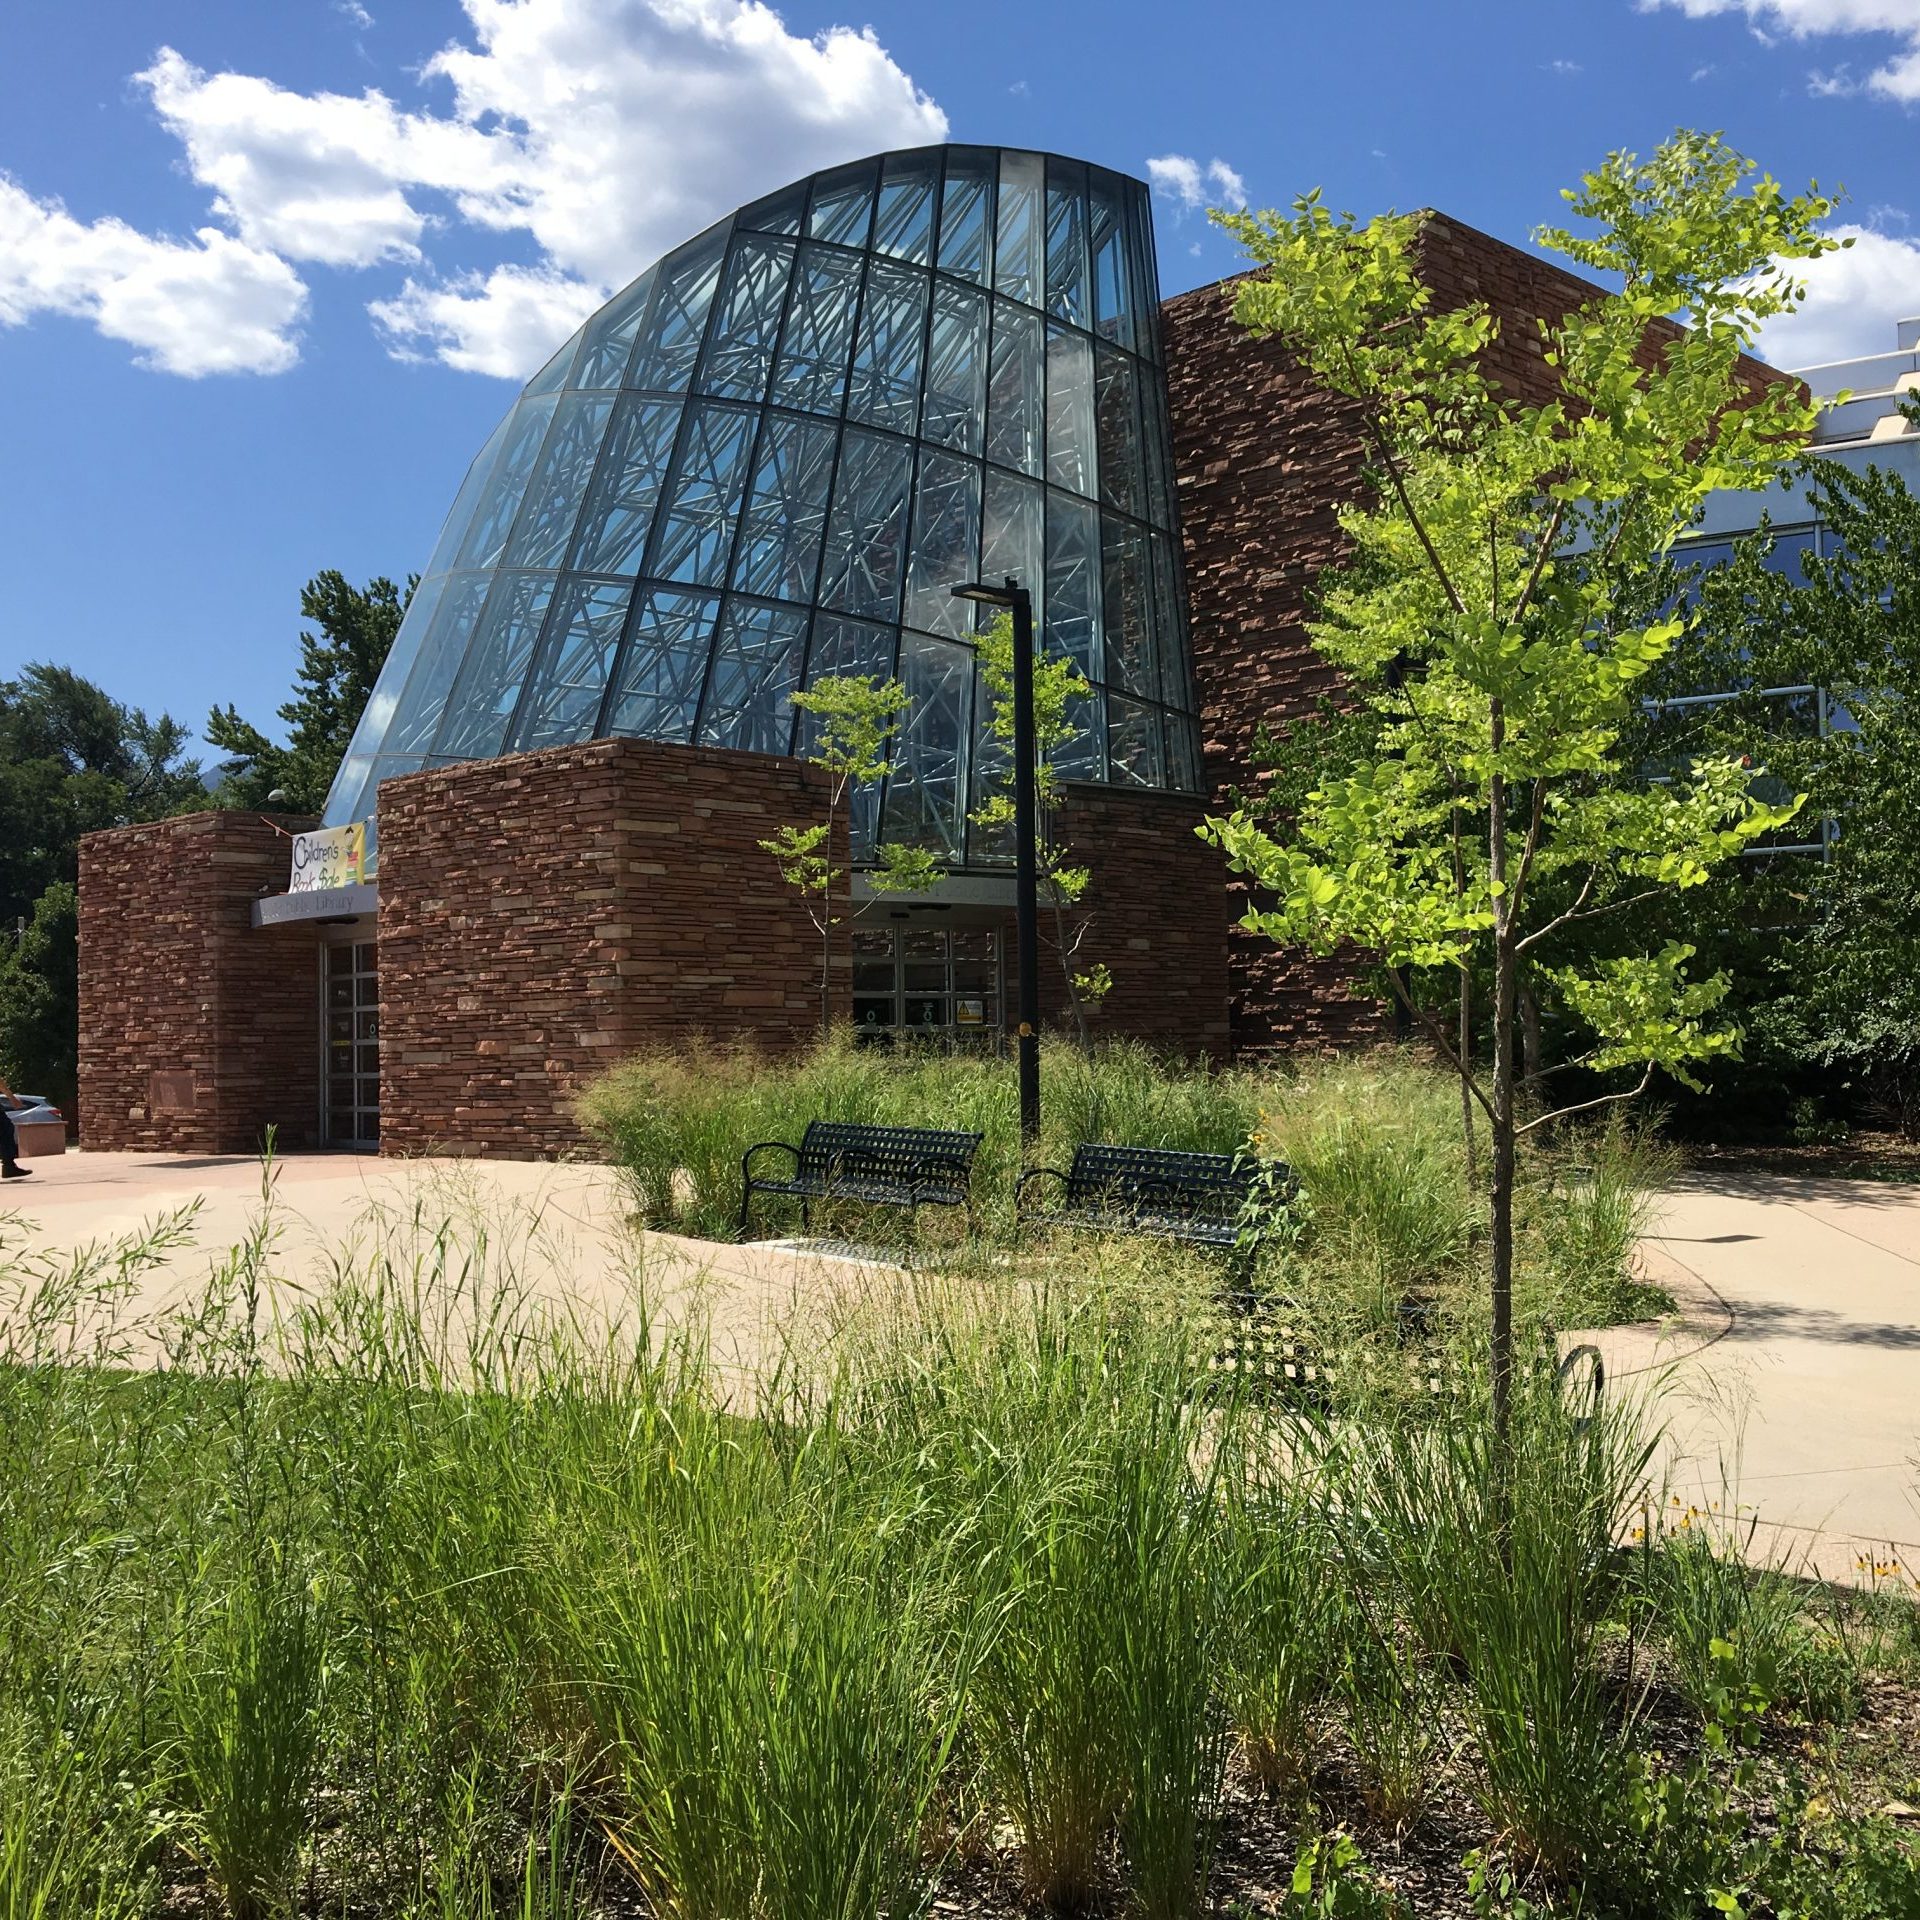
1019	251
966	214
885	391
669	344
454	530
956	394
782	212
1070	413
487	688
903	226
779	551
946	542
1170	628
756	667
417	711
1067	291
1072	625
493	520
1183	753
553	376
377	715
1156	449
1083	755
1126	604
1112	280
610	335
850	649
842	209
926	792
1013	539
753	296
663	666
1016	391
867	535
626	489
1140	269
989	774
811	373
693	536
1784	553
559	481
1117	430
566	680
1133	744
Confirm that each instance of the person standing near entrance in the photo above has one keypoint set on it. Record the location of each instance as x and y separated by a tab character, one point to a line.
10	1167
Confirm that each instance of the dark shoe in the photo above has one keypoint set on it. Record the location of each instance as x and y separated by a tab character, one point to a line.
14	1173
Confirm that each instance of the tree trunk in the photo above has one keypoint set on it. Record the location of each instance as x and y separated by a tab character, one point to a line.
1506	967
826	930
1081	1032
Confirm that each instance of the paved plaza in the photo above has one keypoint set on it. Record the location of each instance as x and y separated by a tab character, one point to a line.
1792	1372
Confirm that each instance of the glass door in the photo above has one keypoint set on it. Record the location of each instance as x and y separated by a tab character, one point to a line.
928	983
350	1056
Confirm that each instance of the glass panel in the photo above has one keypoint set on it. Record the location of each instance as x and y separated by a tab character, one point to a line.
927	788
1126	603
564	686
1140	263
747	322
1067	294
1154	444
553	376
1013	541
339	961
445	646
1117	424
779	550
886	363
1072	624
843	206
1133	744
988	776
1070	443
663	666
693	539
610	335
1016	396
1170	629
494	520
1112	282
377	715
1084	756
1183	753
848	648
619	514
956	397
669	344
904	225
780	212
454	530
812	370
756	667
866	540
946	543
966	213
559	480
1019	254
488	688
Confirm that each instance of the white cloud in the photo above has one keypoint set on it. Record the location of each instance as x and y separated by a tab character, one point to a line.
1186	182
1853	299
213	304
603	132
354	14
1897	78
1702	73
506	322
1564	68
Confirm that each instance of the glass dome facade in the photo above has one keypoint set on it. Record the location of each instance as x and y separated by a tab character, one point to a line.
767	461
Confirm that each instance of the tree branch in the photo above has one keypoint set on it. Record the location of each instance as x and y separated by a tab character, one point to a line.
1587	1106
1439	1038
1540	560
1593	913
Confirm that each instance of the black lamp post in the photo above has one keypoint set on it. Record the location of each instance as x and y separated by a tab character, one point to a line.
1026	901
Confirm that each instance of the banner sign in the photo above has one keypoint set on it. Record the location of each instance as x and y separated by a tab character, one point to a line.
328	857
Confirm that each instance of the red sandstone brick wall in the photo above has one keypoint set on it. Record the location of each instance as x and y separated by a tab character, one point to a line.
175	979
545	914
1264	459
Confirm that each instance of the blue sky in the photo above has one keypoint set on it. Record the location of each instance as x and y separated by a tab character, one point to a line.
268	273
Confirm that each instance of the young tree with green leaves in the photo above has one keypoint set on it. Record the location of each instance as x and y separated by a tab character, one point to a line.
1496	809
858	717
338	668
1057	684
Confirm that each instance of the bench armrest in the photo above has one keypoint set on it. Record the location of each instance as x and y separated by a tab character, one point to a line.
765	1146
960	1170
1034	1173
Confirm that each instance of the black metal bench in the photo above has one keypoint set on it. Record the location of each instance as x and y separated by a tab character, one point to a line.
1199	1197
883	1166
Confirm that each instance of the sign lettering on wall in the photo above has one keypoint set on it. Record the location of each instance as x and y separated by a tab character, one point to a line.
328	857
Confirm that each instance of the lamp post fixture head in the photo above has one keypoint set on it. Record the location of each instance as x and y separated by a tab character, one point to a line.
982	594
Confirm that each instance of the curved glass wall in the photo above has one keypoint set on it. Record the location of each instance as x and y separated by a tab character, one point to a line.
770	457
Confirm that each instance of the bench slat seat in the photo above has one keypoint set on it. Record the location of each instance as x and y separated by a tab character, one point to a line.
881	1166
1197	1197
